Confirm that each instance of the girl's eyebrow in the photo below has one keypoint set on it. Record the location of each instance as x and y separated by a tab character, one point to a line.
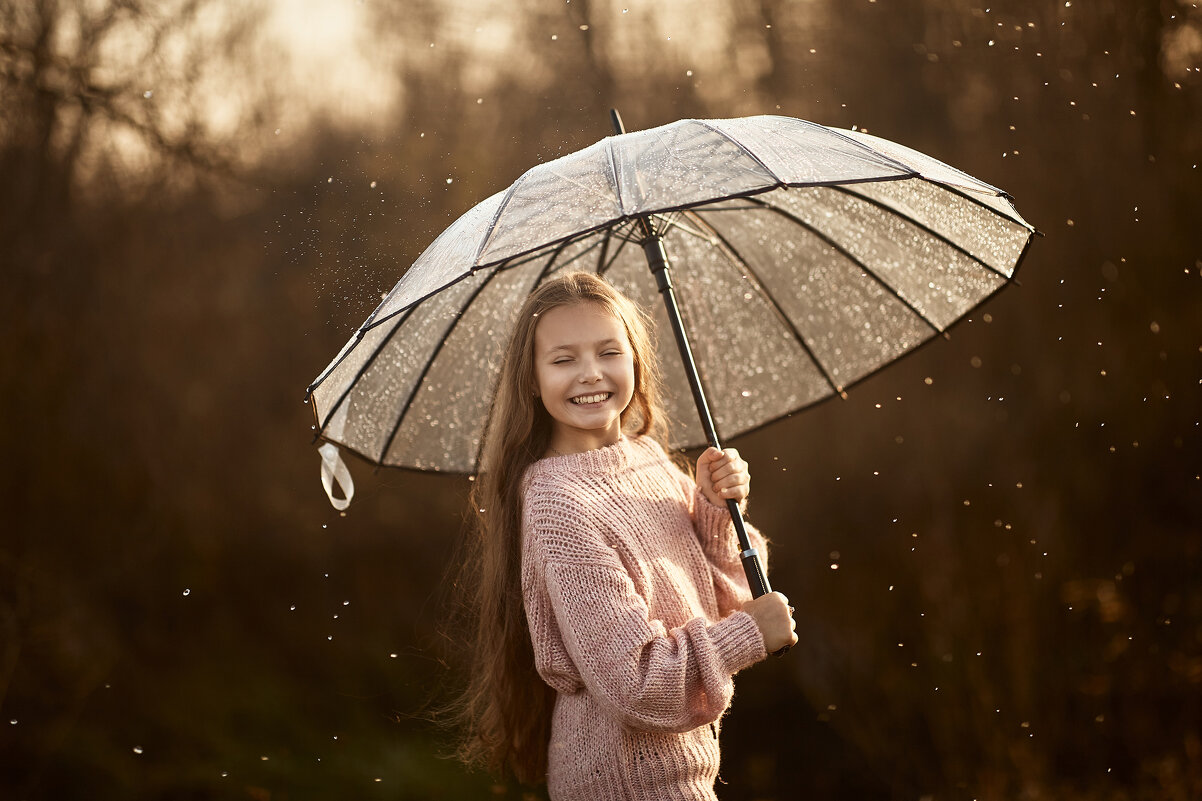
599	343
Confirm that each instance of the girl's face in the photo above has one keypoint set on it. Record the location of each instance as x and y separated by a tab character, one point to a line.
584	366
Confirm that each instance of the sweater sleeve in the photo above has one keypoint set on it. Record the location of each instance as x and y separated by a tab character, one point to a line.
646	676
716	533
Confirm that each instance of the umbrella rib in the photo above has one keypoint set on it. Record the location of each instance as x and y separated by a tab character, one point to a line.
771	299
923	227
622	242
961	193
430	364
362	370
359	334
847	254
745	149
676	222
600	266
546	270
613	166
909	171
492	226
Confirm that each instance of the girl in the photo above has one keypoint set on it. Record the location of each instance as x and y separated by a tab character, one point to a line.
613	609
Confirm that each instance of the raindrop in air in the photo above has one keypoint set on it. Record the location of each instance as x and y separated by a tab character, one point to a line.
137	749
187	591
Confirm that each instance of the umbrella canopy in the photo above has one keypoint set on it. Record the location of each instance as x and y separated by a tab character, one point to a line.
804	258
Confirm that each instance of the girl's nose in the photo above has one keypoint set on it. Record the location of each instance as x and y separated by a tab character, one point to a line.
590	372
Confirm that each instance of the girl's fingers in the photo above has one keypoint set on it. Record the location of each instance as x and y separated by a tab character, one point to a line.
728	466
728	474
735	474
732	480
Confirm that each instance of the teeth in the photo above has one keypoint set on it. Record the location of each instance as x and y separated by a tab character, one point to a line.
591	398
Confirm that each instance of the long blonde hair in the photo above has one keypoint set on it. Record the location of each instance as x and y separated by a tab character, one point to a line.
504	713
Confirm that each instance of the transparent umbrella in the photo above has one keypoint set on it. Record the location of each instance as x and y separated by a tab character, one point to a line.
811	257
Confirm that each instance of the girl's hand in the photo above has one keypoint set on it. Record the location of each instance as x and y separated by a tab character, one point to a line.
722	476
774	617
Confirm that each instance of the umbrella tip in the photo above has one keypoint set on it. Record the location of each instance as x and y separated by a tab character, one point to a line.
616	119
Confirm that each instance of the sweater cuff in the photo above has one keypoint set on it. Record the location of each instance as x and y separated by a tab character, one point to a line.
714	529
737	638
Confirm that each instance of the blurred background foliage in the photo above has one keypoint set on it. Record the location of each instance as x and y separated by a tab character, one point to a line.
994	547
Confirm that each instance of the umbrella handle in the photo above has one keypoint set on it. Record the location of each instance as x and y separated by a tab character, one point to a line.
757	580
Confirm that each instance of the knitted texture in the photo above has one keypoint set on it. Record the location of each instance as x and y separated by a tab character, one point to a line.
633	585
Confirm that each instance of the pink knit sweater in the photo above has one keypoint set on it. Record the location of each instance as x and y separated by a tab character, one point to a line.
632	582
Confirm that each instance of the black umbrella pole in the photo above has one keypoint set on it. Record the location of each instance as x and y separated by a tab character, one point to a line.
657	260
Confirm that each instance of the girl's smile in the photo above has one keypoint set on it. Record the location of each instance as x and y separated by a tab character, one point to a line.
584	366
592	400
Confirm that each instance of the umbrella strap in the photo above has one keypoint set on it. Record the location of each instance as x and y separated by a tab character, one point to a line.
334	469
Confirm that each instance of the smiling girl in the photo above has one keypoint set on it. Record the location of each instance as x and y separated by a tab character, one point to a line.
612	607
